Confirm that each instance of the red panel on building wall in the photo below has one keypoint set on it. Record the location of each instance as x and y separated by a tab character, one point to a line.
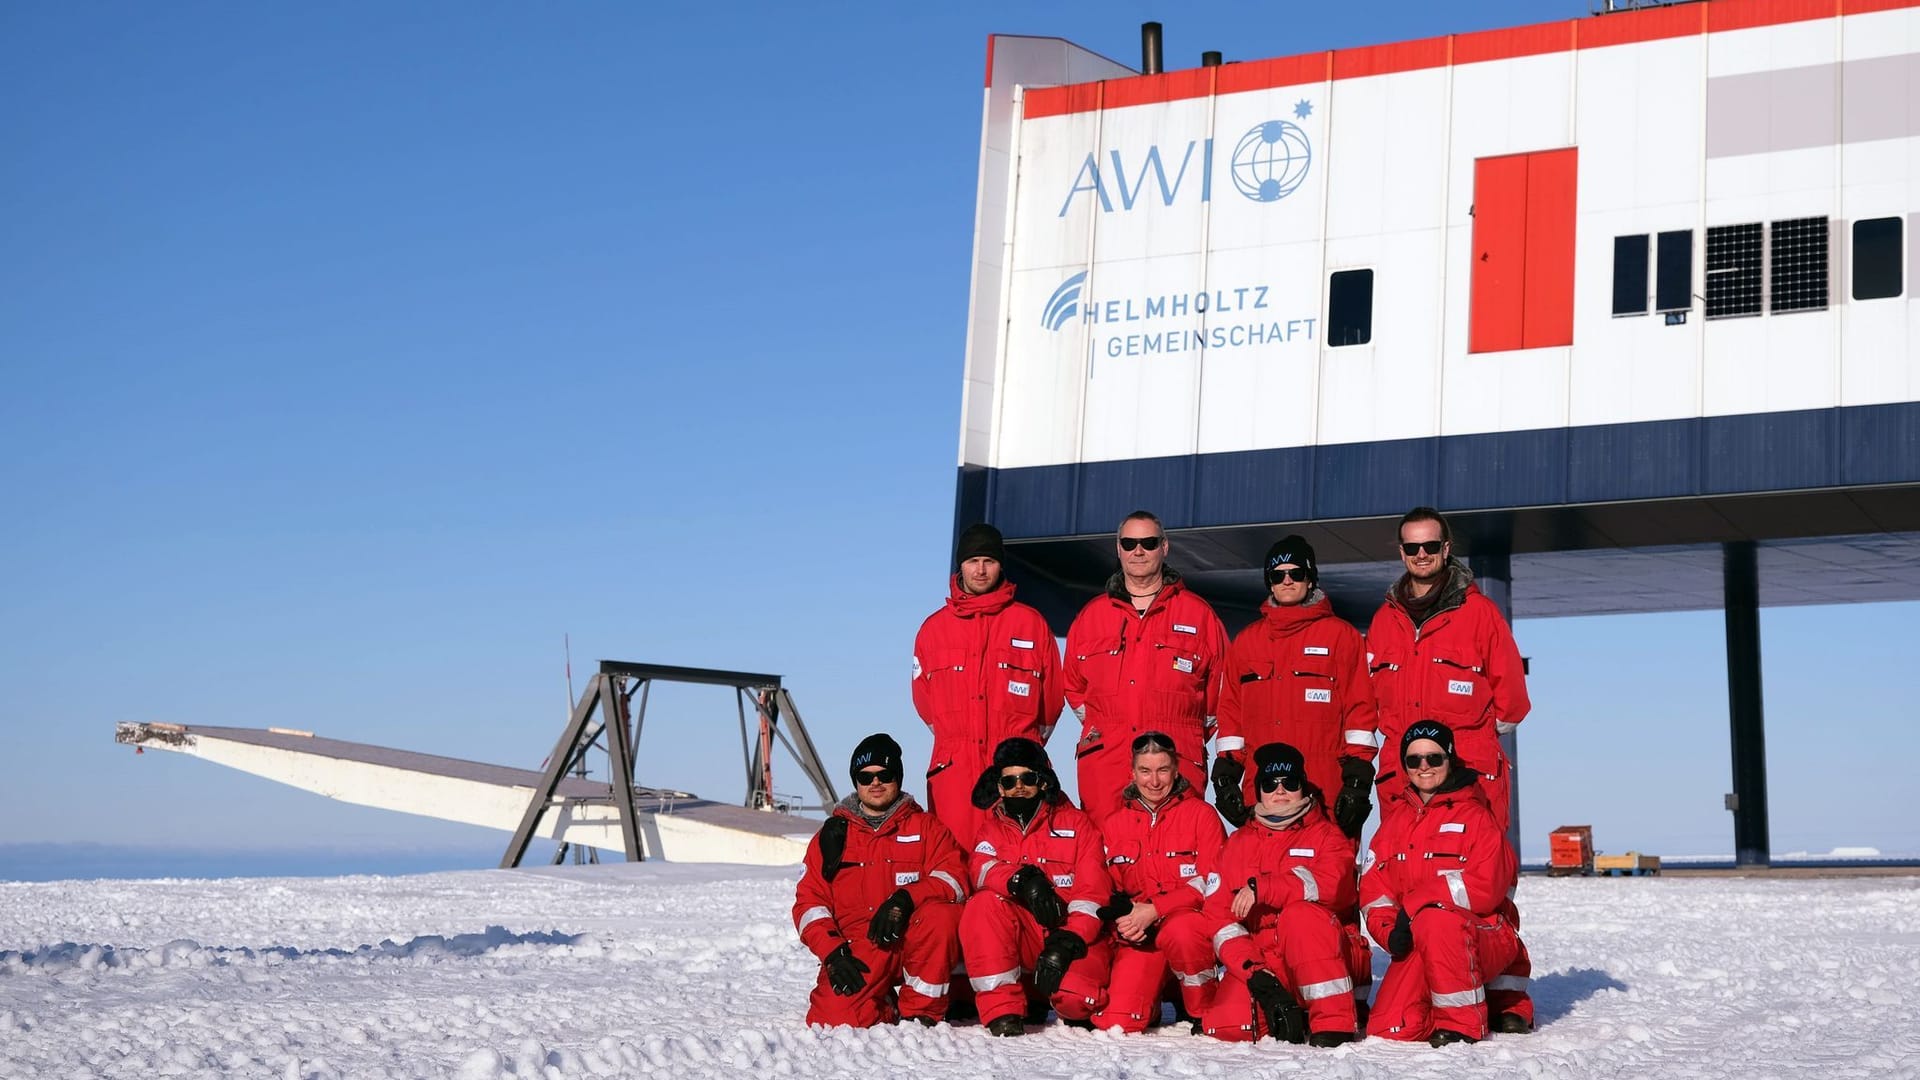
1499	254
1522	285
1548	317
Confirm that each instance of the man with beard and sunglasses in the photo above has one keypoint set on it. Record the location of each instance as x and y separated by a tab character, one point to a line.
1439	650
1143	656
1284	879
1039	877
879	901
985	668
1434	895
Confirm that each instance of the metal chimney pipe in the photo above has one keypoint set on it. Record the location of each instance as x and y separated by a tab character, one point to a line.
1210	58
1151	56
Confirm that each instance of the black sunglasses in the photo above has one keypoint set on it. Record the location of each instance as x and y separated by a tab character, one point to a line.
1023	778
1431	547
1431	761
1280	573
1153	742
1151	543
1291	783
878	776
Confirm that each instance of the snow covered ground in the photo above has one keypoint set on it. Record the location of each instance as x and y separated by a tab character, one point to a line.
694	971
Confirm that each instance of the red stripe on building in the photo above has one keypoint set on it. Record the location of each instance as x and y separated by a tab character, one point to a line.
1280	71
1153	89
1633	27
1508	44
1747	14
1388	59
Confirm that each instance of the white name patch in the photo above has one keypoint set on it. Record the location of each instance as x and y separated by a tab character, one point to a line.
916	667
1182	628
1062	832
1323	696
1183	665
1188	869
1459	686
985	848
1301	852
1315	650
1019	689
906	877
1454	826
1063	881
1019	644
906	839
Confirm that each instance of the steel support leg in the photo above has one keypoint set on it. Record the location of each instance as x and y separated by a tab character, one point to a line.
1751	845
1493	576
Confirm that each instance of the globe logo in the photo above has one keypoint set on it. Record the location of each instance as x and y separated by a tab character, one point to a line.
1271	161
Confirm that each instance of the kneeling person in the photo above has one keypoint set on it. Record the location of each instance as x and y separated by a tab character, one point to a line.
1039	877
879	901
1284	877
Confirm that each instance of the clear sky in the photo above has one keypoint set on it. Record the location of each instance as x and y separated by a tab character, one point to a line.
352	354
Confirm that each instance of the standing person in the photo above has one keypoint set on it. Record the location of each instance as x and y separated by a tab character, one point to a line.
1143	656
1285	878
1163	852
879	901
1438	873
1298	676
1439	650
1039	878
985	668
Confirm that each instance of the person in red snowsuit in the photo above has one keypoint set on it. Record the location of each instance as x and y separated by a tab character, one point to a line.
1298	676
1434	894
1440	651
879	901
1039	877
1143	656
1284	878
1163	850
985	668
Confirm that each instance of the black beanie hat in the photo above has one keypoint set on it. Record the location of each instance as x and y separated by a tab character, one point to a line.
1428	729
1278	759
1022	752
978	540
1295	550
877	750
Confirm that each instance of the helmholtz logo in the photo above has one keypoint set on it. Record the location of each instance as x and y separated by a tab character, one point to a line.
1268	163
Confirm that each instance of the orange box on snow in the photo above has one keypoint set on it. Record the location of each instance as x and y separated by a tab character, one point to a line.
1570	850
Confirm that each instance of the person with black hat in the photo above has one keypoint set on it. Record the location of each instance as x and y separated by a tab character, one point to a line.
1143	656
985	668
1284	878
879	901
1298	676
1434	896
1039	877
1163	853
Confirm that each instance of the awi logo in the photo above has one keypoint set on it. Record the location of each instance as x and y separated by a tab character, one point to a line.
1268	163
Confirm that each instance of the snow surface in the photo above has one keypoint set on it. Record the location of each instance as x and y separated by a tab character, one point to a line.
695	971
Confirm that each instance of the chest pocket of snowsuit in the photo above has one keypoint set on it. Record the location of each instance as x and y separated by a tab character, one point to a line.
1013	683
1456	689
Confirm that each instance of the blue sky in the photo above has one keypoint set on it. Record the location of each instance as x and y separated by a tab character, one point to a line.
351	355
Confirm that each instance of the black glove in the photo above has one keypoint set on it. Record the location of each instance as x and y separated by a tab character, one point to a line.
1031	890
833	845
845	973
889	923
1062	948
1117	905
1352	807
1400	940
1227	774
1286	1020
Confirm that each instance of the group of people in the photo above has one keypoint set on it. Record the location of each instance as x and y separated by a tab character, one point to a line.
1003	900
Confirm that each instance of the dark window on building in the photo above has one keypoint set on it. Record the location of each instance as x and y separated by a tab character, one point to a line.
1673	271
1799	256
1876	258
1630	275
1350	308
1734	260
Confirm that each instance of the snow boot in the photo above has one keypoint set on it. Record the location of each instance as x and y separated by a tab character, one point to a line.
1007	1026
1446	1037
1329	1038
1512	1024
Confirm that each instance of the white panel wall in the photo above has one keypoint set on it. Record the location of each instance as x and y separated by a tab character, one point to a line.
1880	356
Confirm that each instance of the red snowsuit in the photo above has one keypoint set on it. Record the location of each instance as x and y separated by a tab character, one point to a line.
1168	857
1461	668
1001	940
1448	865
909	850
1298	676
984	669
1302	877
1129	672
